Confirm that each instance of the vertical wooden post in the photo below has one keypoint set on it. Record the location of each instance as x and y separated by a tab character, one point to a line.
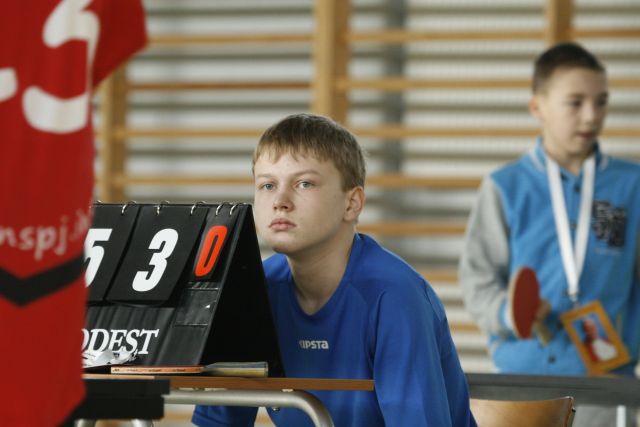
394	203
559	16
331	54
113	112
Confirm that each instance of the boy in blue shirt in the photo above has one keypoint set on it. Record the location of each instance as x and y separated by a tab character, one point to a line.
566	210
343	306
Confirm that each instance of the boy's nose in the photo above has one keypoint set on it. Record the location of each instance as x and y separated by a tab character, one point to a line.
282	201
591	112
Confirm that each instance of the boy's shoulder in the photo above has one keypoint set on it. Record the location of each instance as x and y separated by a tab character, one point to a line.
518	176
623	166
376	261
527	163
622	177
276	268
378	269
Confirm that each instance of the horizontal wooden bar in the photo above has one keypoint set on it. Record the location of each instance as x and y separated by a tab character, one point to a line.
408	181
388	131
218	132
181	180
621	132
382	84
613	33
399	84
395	181
438	275
405	36
625	82
164	40
412	229
245	85
464	327
402	84
398	132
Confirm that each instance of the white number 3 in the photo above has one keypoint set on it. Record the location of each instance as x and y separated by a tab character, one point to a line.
165	240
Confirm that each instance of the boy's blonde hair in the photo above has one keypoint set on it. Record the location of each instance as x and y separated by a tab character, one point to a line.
563	55
318	136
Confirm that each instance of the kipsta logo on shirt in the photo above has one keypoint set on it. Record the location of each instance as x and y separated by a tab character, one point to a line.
314	344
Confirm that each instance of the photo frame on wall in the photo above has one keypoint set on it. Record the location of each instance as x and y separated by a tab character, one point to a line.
597	342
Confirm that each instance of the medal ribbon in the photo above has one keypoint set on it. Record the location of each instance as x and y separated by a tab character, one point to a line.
572	256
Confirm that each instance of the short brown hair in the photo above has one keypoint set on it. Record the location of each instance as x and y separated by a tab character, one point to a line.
319	136
563	55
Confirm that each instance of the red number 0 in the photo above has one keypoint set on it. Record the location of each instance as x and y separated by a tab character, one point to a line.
210	250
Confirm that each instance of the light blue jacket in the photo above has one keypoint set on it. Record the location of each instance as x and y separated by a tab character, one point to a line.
512	225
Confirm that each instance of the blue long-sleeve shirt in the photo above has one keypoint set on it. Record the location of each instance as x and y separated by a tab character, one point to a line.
382	322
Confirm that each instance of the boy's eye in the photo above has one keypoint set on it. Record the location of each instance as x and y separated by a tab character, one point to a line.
305	184
266	186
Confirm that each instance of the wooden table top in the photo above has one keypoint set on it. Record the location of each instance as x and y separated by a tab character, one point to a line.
267	383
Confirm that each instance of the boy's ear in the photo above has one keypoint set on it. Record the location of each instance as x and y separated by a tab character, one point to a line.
355	203
534	106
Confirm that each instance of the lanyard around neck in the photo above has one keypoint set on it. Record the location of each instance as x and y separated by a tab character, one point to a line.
572	256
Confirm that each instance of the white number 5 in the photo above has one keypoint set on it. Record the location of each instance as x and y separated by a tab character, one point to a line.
94	253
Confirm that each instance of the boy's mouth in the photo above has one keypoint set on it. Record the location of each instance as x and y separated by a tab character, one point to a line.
280	224
586	135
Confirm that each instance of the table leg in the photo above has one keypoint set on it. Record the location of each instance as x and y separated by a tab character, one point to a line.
256	398
141	423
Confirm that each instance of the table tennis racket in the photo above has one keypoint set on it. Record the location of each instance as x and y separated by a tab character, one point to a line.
524	301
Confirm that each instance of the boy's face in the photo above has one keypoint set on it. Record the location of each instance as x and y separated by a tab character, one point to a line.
571	109
300	206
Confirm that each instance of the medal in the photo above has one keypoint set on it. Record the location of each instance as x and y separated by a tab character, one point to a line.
589	327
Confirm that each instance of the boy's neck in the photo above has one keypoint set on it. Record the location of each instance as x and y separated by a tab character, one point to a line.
317	275
569	161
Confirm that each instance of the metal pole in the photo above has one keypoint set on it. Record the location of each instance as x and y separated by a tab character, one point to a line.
268	398
621	416
142	423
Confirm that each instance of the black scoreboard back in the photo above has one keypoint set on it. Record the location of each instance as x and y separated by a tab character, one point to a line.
178	284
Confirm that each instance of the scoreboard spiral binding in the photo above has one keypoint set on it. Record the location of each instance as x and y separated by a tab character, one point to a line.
179	284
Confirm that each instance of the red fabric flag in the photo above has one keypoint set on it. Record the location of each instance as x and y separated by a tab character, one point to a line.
53	53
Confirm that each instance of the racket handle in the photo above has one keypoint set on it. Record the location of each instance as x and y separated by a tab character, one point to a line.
544	334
